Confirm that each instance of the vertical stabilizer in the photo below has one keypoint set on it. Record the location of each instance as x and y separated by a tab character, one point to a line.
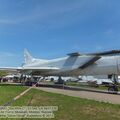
28	57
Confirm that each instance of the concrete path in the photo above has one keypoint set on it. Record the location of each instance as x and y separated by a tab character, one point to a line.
103	97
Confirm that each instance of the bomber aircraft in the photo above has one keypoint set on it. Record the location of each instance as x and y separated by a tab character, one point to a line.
75	64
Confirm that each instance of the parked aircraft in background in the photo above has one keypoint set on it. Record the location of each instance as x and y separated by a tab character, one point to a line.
75	64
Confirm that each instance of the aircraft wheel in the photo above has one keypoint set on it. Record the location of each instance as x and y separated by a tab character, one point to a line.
113	89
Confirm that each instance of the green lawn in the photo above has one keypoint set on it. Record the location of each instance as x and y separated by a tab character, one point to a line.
70	108
77	84
8	92
100	87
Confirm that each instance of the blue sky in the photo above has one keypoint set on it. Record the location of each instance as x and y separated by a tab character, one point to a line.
53	28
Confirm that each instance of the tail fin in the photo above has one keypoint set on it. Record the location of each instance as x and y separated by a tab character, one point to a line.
28	57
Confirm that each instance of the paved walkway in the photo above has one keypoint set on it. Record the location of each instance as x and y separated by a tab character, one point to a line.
103	97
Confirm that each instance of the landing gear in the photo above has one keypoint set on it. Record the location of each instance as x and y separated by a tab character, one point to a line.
60	81
113	88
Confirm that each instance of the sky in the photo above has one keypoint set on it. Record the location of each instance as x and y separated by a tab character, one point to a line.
53	28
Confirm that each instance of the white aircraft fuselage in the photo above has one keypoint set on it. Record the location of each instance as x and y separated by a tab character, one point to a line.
70	66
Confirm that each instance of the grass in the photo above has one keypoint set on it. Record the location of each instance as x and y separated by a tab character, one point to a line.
85	85
100	87
70	108
7	92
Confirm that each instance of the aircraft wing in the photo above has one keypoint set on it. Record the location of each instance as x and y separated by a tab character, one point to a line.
94	58
90	62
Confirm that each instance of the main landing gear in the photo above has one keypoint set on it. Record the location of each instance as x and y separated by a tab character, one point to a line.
60	81
113	88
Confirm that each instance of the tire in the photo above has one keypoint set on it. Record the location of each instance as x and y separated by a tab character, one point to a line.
113	89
